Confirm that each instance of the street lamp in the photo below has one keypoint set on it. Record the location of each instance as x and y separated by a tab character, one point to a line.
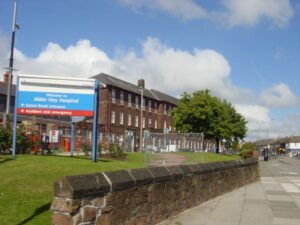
11	64
141	125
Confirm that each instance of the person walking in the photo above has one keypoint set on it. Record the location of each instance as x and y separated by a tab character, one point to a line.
45	143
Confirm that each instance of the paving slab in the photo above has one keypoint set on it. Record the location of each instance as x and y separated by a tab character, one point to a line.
274	200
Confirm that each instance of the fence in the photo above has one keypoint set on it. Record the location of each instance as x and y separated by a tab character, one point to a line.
160	146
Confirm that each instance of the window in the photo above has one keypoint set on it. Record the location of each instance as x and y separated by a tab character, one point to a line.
149	122
155	124
129	100
165	109
165	124
113	116
136	102
113	95
143	122
129	119
144	103
112	138
121	118
155	107
121	98
136	121
150	105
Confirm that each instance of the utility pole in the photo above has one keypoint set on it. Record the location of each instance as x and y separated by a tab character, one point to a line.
141	126
11	65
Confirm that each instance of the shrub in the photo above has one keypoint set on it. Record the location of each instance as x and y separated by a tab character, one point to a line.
23	143
246	150
115	151
5	139
246	154
86	148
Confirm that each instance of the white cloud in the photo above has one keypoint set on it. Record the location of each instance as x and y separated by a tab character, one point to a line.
234	13
81	59
279	96
250	12
186	9
261	125
175	70
164	68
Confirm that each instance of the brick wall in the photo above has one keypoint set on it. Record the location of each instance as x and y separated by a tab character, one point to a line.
144	196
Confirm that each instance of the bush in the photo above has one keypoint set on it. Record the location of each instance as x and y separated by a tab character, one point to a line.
86	148
5	139
23	143
115	151
246	154
246	150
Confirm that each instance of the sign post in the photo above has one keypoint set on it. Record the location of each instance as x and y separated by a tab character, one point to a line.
57	96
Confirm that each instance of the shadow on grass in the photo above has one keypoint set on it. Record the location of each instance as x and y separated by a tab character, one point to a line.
37	212
3	160
76	157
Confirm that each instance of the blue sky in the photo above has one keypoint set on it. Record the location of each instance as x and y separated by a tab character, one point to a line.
245	51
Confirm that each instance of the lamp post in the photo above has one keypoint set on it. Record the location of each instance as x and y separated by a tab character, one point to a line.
11	65
141	126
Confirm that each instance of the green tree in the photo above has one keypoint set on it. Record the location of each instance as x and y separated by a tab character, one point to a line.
216	119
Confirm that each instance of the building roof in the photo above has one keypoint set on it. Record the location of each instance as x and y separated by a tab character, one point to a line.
164	97
3	89
154	94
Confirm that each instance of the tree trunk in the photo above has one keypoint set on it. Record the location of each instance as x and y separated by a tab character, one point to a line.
218	144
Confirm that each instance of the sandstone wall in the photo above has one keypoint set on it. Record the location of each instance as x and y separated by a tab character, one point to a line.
144	196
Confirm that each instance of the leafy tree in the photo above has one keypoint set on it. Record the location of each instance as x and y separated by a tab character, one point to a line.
202	112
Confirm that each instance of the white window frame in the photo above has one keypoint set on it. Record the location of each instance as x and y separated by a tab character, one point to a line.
129	100
144	122
150	105
113	95
136	121
150	122
121	98
129	120
121	118
137	102
155	124
113	117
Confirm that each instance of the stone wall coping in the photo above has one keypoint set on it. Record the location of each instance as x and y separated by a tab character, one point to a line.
99	184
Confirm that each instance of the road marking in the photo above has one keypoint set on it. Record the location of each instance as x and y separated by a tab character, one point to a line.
291	188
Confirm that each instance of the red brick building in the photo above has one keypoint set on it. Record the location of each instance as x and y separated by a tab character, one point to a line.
120	111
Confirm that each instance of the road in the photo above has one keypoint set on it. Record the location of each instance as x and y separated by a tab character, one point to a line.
274	200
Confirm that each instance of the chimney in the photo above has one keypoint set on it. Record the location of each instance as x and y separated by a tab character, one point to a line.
141	83
5	77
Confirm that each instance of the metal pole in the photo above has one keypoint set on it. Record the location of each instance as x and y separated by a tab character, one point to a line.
72	138
95	124
11	64
15	122
141	126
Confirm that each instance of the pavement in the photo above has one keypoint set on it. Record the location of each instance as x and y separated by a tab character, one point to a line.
274	200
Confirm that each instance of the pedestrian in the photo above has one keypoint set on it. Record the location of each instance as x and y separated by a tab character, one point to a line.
45	143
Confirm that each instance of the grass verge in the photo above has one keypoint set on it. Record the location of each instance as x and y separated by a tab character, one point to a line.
26	184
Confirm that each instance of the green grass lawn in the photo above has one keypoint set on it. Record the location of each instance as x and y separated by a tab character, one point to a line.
26	184
197	157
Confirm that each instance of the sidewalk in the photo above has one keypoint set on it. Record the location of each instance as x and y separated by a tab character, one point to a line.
274	200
